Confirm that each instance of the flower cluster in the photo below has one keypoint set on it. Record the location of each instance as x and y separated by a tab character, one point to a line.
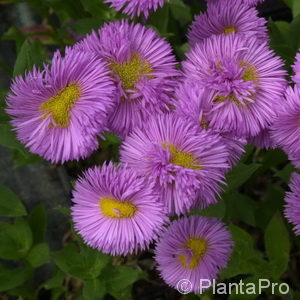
182	129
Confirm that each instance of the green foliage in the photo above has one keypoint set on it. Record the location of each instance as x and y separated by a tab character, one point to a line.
11	278
16	239
38	222
240	174
86	264
277	245
30	54
250	204
38	255
10	204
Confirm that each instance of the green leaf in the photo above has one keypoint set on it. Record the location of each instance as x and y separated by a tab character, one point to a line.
57	293
38	255
25	158
110	140
30	54
21	155
280	41
240	207
16	239
180	11
159	20
11	278
118	278
289	3
245	259
277	245
38	223
56	281
270	204
240	174
85	264
98	9
8	138
296	8
67	9
272	158
10	204
181	50
94	289
285	173
294	34
85	26
217	210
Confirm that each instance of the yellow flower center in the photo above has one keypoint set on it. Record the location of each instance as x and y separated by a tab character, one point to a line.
117	209
182	158
60	105
131	71
198	248
249	72
230	29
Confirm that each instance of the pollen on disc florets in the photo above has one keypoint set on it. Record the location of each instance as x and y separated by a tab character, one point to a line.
116	209
193	252
60	105
131	71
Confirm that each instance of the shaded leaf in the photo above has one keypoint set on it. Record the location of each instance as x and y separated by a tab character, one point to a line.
85	264
10	204
94	289
39	255
118	278
277	245
56	281
38	223
241	207
240	174
16	239
30	54
11	278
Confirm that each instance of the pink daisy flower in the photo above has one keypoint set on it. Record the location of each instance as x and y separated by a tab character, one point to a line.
136	7
247	80
58	113
245	2
116	211
193	103
263	140
292	199
193	248
143	67
296	68
286	129
224	17
187	164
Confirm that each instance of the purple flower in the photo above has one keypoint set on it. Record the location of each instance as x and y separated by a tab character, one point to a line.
286	127
296	68
292	198
58	113
115	210
144	69
263	140
246	78
224	17
193	248
194	103
136	7
187	164
245	2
